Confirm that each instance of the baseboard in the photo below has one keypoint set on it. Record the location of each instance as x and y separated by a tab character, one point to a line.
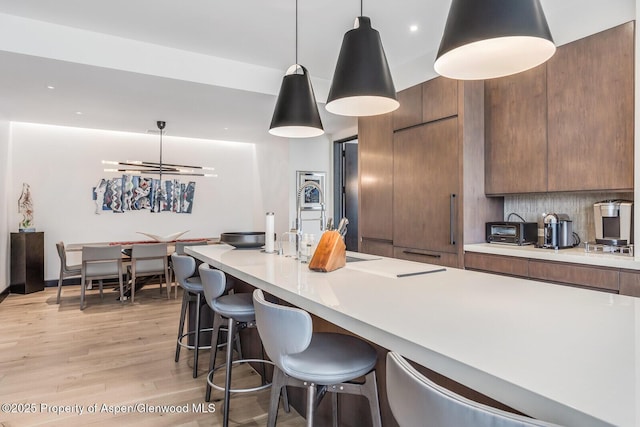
4	294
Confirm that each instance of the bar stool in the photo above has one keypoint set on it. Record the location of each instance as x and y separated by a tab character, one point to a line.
237	311
184	267
416	401
319	362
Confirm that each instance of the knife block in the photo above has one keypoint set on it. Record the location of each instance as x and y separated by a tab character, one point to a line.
330	254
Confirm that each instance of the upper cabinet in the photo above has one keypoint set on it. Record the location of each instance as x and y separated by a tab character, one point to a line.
439	99
590	123
516	133
410	111
566	125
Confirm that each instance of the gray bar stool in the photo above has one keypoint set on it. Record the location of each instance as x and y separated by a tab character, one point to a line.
416	401
236	310
184	268
319	362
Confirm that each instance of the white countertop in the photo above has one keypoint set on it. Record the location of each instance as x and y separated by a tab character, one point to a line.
562	354
574	255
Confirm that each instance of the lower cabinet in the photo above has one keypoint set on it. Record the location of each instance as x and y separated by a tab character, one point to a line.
429	257
377	247
585	276
630	283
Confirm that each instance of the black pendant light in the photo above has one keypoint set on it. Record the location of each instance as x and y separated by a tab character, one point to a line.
362	83
296	113
485	39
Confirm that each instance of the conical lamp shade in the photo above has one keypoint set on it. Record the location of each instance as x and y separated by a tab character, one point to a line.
296	113
485	39
362	83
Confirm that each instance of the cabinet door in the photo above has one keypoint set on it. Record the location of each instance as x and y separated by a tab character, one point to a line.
410	111
376	247
516	133
507	265
590	100
375	151
426	186
630	283
439	99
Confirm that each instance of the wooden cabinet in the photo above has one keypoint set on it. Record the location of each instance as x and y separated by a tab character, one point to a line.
375	152
439	99
417	201
630	283
410	111
591	103
515	133
580	275
377	247
575	274
566	125
510	266
426	186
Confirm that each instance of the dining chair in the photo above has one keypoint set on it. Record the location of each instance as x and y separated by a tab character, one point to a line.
98	263
416	401
149	259
66	271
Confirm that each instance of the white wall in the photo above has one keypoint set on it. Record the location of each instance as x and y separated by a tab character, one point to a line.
62	164
4	208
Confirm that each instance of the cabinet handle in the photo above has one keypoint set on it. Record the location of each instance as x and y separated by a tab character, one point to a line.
421	253
452	219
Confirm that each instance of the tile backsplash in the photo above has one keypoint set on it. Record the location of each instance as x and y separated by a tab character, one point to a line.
579	207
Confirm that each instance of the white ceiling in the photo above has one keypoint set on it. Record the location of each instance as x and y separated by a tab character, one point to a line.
212	69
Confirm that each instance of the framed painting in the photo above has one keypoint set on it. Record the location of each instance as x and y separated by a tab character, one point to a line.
311	197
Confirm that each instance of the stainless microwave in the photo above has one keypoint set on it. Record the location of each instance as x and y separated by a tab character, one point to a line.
512	233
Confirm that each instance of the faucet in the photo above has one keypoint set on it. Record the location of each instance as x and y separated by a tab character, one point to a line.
299	206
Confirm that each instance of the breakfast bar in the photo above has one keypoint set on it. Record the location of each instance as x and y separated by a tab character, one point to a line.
565	355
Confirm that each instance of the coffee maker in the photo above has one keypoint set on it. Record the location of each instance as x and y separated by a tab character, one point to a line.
613	222
558	231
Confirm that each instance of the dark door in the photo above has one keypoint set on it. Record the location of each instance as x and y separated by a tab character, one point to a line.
346	189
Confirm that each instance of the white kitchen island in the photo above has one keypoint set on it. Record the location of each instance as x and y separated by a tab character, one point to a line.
561	354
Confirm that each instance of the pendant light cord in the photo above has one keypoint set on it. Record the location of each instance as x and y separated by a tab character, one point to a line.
361	12
296	31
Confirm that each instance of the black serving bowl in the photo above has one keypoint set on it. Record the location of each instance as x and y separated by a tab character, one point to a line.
243	239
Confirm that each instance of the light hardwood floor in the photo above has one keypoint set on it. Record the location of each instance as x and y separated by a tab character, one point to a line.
109	354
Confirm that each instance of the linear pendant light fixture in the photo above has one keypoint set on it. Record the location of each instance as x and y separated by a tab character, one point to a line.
485	39
362	83
136	167
296	113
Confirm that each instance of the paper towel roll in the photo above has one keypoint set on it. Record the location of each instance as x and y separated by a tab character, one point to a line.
269	233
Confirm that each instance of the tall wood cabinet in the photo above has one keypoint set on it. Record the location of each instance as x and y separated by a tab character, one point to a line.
27	262
566	125
426	186
375	157
424	180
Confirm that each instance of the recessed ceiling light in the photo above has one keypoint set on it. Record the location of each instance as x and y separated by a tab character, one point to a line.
79	113
51	87
413	28
226	128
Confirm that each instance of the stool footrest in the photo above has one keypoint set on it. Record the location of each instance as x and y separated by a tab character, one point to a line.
191	347
238	390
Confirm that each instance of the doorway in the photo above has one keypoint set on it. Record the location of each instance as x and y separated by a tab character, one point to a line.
345	191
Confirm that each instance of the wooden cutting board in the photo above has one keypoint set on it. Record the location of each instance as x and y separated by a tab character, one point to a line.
330	254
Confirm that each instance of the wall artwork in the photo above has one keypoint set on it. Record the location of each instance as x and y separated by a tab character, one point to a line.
311	199
134	193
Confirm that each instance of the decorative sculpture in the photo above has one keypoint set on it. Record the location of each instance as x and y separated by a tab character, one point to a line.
25	208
